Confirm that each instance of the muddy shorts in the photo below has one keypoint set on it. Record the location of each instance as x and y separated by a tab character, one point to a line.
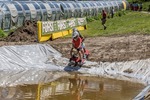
82	46
103	21
79	49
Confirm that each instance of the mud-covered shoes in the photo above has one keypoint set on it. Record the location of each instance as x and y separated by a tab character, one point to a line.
84	56
82	61
105	27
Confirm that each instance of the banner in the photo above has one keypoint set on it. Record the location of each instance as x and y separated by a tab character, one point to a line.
48	27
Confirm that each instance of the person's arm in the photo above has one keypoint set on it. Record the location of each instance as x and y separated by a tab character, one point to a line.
81	36
71	51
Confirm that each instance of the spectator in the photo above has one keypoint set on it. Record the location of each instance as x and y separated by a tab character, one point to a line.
136	6
140	6
112	12
131	7
149	8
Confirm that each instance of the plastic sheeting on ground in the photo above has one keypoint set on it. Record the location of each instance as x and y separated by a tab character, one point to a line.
144	94
31	64
25	64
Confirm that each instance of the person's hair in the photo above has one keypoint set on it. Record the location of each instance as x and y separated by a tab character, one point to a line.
74	29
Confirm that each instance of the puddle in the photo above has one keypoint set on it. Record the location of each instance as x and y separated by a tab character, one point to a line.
74	87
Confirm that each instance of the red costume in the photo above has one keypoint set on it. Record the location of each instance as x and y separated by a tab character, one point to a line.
77	42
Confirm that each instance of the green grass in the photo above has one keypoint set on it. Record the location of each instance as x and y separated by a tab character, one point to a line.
3	34
130	23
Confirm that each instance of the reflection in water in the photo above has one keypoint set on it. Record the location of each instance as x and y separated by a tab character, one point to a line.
74	88
26	92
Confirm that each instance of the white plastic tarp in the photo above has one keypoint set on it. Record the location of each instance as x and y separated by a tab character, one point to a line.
27	64
144	94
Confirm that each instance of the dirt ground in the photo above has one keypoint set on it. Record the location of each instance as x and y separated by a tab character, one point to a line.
112	48
23	34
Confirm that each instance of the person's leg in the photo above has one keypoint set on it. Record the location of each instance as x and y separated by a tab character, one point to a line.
80	55
71	52
83	55
104	26
113	15
103	23
83	46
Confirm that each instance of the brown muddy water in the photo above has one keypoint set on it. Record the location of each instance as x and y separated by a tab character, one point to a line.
74	88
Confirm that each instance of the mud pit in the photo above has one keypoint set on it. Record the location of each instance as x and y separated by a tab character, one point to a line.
105	49
113	48
23	34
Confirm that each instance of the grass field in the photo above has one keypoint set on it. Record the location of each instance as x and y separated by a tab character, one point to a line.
129	23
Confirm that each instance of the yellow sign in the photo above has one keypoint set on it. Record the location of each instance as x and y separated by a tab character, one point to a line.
55	29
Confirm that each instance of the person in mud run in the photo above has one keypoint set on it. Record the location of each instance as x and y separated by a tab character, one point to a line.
104	15
83	45
77	43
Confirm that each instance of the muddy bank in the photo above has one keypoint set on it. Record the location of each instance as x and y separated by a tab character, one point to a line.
113	48
119	48
26	33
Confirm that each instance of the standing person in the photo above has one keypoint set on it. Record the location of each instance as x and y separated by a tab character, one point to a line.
149	8
104	15
112	12
131	6
141	6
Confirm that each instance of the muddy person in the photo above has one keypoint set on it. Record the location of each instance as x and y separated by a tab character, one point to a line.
104	15
77	44
83	45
